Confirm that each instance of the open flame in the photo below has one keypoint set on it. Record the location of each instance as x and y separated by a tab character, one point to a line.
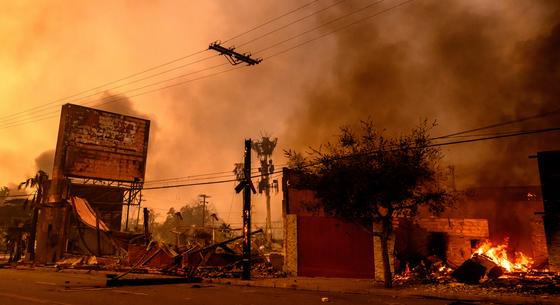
499	255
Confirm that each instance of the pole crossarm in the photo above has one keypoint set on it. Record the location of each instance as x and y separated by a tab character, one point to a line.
232	56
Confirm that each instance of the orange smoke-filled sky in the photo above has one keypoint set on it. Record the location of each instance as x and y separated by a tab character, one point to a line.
458	62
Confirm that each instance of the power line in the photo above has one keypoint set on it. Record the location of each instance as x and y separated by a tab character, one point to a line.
106	84
492	137
193	177
500	124
120	98
334	31
198	177
54	114
272	20
496	133
514	134
291	23
186	177
40	108
7	121
175	180
188	184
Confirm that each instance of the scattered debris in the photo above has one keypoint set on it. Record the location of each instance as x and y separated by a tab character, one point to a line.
88	262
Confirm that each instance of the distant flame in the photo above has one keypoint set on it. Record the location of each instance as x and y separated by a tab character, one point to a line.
499	255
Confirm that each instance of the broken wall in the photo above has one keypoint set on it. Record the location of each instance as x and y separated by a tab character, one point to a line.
449	239
513	214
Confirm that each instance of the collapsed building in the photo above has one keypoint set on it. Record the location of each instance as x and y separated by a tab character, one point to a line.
98	174
100	158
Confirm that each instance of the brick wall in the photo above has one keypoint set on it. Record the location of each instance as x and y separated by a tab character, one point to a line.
476	228
538	242
459	234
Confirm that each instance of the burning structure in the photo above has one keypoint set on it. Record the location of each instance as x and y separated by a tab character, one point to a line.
100	156
503	224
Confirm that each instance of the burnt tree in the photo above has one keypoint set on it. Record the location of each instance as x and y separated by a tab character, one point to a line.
367	178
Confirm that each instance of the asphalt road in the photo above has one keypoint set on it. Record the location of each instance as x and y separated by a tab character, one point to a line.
29	287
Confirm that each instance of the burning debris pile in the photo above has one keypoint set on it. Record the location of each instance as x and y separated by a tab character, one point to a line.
491	261
498	254
490	267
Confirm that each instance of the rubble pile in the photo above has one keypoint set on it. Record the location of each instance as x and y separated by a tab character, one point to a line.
427	272
526	283
533	282
197	258
225	262
487	271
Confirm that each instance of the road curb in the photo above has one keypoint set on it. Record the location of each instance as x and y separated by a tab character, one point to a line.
289	283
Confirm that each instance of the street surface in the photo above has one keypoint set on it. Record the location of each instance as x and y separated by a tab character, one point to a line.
29	287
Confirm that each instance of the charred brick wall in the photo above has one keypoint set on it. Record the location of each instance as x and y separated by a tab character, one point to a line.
462	233
513	215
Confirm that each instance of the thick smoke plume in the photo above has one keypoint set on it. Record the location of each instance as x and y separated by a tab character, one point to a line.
465	64
44	161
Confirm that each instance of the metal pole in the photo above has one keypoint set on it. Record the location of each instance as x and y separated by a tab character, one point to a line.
98	233
268	226
246	275
129	201
147	225
139	207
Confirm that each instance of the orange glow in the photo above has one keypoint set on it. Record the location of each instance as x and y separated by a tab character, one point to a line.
499	255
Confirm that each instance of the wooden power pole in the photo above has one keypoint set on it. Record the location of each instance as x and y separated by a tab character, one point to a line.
247	186
204	197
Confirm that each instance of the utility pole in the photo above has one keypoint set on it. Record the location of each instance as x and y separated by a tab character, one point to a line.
247	186
265	148
204	197
232	56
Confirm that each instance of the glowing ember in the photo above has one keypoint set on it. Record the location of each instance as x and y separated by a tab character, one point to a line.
499	255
